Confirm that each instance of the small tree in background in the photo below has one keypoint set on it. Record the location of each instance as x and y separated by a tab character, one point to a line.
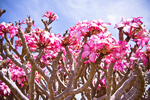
36	64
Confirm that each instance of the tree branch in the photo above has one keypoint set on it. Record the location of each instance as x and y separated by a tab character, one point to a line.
31	84
69	91
46	25
129	94
3	63
1	48
123	87
121	37
140	83
36	67
29	25
69	55
122	80
2	12
32	76
15	61
109	81
41	89
23	40
11	46
13	87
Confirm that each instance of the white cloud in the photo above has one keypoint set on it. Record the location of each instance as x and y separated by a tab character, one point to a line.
109	10
113	18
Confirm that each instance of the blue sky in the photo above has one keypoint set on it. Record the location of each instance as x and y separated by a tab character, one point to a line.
71	11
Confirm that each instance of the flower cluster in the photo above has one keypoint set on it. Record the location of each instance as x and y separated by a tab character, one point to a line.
51	15
133	28
86	29
17	74
4	90
99	43
117	56
8	28
89	39
92	35
39	39
138	55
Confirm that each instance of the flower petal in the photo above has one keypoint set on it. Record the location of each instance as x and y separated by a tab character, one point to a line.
92	57
85	53
86	47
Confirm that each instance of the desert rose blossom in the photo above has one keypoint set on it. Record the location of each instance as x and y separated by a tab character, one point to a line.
8	28
51	15
90	50
38	38
4	89
132	28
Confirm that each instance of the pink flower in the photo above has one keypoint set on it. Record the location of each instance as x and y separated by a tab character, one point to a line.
13	31
3	29
120	50
86	29
140	54
123	23
89	50
98	43
98	87
117	56
4	89
86	62
98	26
39	38
141	38
51	15
104	42
120	65
137	20
102	82
8	28
141	42
17	74
130	27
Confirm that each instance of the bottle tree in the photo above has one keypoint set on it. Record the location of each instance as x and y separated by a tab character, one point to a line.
86	60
